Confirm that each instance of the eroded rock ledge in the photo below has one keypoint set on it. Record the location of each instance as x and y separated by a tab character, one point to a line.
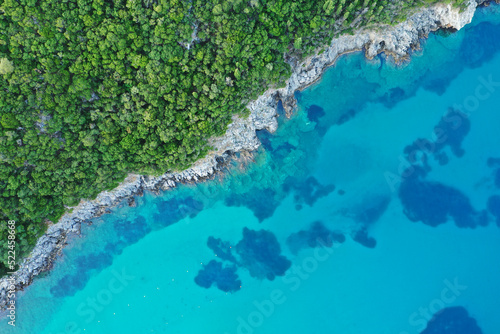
241	134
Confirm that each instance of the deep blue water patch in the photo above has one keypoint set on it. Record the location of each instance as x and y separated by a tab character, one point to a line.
86	266
495	163
480	44
437	85
69	285
225	278
264	137
130	231
316	236
361	236
262	202
283	151
281	111
115	248
433	203
346	116
416	155
451	130
393	97
307	191
452	320
438	80
260	254
221	248
175	209
372	209
127	231
314	113
494	207
279	152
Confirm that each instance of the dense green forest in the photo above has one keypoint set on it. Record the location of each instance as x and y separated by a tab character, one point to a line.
91	90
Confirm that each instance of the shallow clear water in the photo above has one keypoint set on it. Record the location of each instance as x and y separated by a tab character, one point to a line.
369	211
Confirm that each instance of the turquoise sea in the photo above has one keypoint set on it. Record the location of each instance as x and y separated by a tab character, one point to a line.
375	209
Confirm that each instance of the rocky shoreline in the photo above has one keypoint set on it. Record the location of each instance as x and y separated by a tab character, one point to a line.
397	41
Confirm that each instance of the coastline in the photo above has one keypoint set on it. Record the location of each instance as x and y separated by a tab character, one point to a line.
396	41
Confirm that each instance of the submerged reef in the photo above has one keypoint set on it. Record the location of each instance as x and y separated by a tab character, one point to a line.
215	273
259	252
317	236
128	233
372	209
314	113
433	203
494	207
361	237
175	209
347	116
221	248
452	320
393	97
306	191
495	163
131	232
480	45
262	202
497	178
85	268
450	131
